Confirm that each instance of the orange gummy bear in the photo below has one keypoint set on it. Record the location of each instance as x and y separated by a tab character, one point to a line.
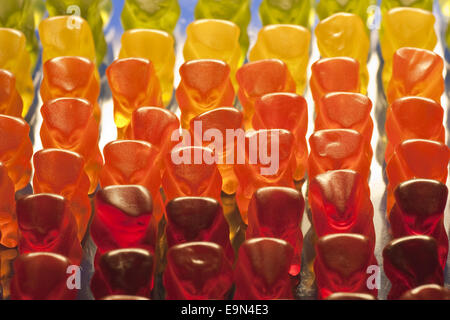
10	101
8	219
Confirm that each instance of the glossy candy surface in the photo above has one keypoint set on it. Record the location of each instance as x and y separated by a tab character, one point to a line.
427	292
8	219
10	101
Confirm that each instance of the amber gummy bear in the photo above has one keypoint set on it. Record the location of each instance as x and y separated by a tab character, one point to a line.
205	85
340	203
410	262
51	176
255	170
419	209
405	121
334	75
123	272
197	271
416	159
416	72
287	111
189	173
220	120
191	219
69	124
345	110
341	264
133	84
16	149
258	78
71	77
41	276
10	101
262	270
265	220
337	149
8	219
47	225
122	219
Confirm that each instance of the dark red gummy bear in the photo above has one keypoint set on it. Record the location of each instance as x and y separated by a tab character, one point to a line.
410	262
427	292
262	270
419	209
277	212
197	219
197	271
123	272
47	225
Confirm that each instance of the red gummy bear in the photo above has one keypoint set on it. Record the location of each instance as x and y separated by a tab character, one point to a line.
123	272
262	270
47	225
419	209
197	271
41	276
287	111
341	264
410	262
427	292
265	220
8	219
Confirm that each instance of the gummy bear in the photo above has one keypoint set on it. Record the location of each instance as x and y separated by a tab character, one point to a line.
124	297
259	78
386	5
47	225
416	159
405	120
340	203
191	219
416	72
427	292
7	258
156	46
237	11
132	162
404	27
123	272
262	270
205	85
265	220
15	58
133	84
69	124
52	176
337	149
71	77
10	101
345	35
87	9
332	75
150	14
255	168
326	8
419	209
66	36
220	120
287	111
197	271
188	173
285	12
289	43
341	264
410	262
345	110
41	276
8	219
16	149
350	296
213	39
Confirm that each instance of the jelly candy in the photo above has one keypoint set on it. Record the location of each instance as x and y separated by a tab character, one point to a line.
285	12
8	219
10	101
427	292
326	8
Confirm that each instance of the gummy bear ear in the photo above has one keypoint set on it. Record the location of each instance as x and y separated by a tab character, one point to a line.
205	75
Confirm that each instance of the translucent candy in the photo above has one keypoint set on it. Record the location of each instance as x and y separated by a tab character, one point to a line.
8	219
326	8
10	101
427	292
285	12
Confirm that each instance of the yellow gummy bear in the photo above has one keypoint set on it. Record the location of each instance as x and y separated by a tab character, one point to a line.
326	8
344	35
288	43
66	36
15	58
405	27
156	46
214	39
387	5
